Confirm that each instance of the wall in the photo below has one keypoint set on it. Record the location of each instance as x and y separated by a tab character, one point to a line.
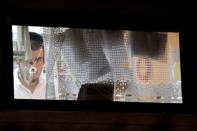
105	121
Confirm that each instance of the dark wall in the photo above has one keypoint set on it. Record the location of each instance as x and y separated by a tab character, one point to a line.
105	121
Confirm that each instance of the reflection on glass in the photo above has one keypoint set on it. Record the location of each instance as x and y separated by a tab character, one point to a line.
88	64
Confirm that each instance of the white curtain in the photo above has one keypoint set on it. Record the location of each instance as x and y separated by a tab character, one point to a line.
23	41
140	72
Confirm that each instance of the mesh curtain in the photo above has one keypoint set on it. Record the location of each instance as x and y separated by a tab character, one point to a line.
139	72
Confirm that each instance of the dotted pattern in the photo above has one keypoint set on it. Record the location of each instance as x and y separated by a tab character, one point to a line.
79	56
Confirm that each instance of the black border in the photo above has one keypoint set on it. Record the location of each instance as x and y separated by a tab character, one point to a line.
98	21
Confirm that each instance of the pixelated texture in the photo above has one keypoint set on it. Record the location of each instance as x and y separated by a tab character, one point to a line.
140	73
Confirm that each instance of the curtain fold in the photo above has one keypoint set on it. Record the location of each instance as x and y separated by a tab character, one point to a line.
140	65
23	41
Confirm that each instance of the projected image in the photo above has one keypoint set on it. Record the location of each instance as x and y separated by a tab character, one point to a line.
57	63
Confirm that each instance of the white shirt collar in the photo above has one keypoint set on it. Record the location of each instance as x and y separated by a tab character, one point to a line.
21	92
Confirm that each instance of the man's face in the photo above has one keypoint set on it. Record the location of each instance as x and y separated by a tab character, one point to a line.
38	62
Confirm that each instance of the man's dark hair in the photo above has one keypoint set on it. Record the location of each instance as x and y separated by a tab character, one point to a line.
36	41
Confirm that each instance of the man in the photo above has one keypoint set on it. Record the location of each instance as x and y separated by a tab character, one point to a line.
35	86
